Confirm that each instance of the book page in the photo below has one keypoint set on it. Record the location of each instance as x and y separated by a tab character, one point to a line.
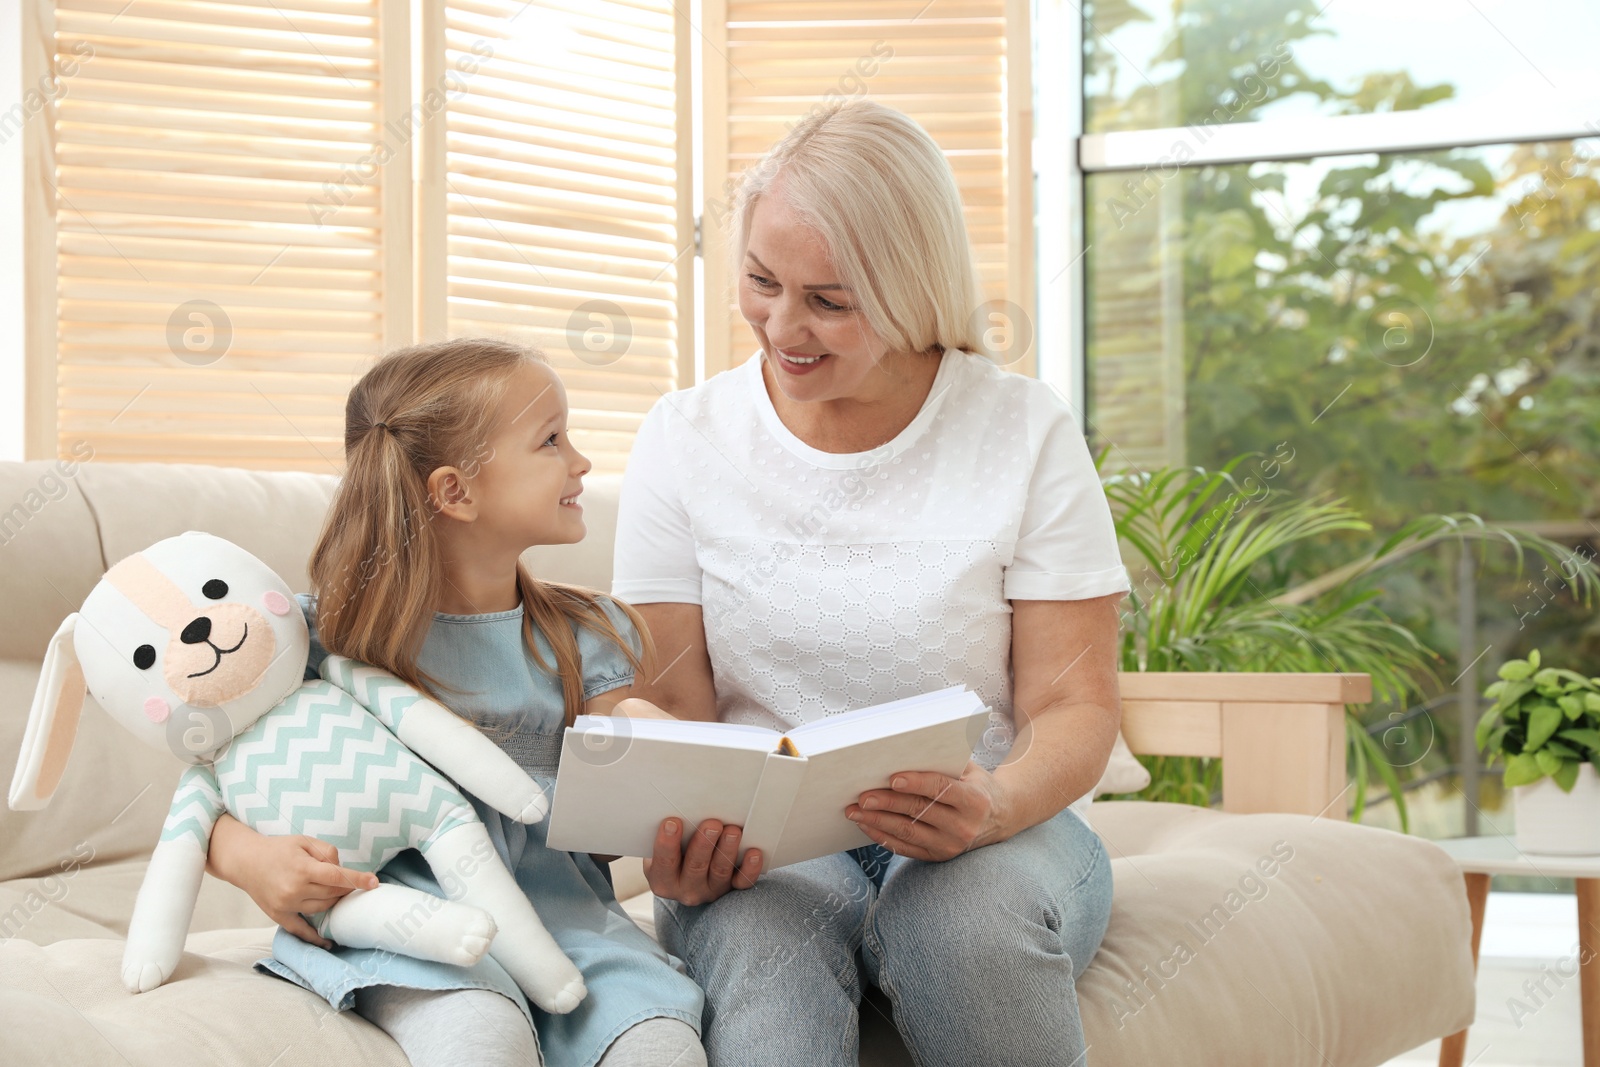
615	785
843	731
836	775
879	719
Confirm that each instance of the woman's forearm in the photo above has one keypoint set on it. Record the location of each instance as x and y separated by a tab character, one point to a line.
1064	657
1059	755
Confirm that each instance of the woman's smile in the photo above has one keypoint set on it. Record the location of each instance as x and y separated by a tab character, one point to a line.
800	362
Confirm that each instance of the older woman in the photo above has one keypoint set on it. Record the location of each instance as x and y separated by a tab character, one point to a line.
865	509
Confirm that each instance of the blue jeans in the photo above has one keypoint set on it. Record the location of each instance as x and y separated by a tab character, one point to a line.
978	954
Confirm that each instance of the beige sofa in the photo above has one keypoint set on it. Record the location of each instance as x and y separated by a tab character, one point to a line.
1279	938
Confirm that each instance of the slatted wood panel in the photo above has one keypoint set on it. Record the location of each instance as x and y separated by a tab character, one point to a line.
225	188
567	223
961	69
231	245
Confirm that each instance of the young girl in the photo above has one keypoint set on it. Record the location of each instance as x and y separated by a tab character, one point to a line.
457	461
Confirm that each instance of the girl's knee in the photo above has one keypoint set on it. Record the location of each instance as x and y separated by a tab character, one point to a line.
657	1042
443	1027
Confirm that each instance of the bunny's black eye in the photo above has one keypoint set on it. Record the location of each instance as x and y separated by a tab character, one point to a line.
143	657
215	589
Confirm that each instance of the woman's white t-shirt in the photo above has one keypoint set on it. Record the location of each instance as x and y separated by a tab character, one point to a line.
834	581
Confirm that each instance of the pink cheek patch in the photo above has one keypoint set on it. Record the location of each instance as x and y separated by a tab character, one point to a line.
276	602
156	709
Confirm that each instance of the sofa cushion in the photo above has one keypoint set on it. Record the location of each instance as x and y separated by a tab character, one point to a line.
276	515
97	901
112	799
1124	773
64	1004
49	555
1337	943
62	1000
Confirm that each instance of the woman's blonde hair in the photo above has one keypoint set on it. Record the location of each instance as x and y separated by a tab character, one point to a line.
881	194
376	566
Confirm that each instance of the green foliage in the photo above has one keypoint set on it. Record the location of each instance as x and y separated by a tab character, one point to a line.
1423	328
1217	587
1416	368
1545	722
1413	370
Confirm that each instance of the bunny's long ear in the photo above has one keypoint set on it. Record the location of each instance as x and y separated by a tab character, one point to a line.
52	723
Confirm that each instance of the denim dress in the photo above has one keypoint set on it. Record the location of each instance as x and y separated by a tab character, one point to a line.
629	977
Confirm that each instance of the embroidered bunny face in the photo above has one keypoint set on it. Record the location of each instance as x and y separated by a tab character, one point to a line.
189	642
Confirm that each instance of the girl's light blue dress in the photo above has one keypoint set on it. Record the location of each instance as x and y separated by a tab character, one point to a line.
630	978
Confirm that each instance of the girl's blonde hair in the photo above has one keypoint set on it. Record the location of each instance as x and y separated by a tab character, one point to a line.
376	566
878	189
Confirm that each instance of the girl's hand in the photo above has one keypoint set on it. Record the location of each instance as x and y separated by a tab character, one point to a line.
702	871
639	708
929	816
284	874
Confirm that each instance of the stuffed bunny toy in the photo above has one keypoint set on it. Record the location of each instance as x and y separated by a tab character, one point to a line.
196	645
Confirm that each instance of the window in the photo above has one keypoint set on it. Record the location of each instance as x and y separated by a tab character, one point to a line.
1365	231
563	219
1277	195
209	300
247	201
962	70
1417	325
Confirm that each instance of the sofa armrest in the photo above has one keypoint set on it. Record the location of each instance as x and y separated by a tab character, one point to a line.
1281	737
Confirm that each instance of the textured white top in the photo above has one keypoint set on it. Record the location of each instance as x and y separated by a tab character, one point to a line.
833	581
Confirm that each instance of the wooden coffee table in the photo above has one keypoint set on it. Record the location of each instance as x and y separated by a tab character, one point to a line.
1482	857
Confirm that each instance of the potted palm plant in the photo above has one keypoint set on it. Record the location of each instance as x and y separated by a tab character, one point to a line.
1217	587
1545	724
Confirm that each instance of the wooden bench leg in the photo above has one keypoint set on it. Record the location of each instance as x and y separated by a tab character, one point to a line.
1453	1049
1589	967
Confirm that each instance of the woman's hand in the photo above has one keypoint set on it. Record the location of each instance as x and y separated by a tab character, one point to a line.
704	870
929	816
284	874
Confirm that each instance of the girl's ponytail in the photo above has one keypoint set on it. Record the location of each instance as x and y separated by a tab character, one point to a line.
375	567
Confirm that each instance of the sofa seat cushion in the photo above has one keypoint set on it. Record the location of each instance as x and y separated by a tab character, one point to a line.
97	901
64	1004
62	1001
113	796
1280	939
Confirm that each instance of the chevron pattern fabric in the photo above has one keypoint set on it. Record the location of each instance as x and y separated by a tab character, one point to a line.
320	764
380	692
196	805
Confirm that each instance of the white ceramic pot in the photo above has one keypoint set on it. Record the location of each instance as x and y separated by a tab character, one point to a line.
1556	823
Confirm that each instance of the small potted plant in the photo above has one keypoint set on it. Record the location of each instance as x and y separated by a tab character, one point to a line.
1545	723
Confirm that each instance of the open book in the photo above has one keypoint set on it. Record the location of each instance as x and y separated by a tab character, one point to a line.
620	777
